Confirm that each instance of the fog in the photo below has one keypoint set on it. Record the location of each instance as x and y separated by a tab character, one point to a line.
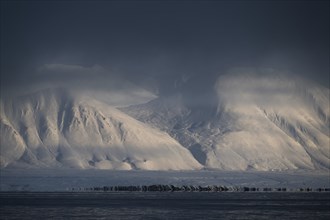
161	47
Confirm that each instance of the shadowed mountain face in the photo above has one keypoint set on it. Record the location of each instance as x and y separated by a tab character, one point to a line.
250	121
260	121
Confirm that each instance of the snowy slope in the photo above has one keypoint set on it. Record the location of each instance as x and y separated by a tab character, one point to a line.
56	128
267	121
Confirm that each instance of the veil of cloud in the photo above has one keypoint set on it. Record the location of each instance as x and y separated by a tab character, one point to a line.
160	46
58	68
95	82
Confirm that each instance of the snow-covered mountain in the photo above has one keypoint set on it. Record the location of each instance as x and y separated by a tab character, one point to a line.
58	128
261	121
258	121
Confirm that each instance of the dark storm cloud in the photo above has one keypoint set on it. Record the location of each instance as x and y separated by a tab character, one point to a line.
157	43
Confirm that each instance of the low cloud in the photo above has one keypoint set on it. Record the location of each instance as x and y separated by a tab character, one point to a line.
95	82
58	68
259	86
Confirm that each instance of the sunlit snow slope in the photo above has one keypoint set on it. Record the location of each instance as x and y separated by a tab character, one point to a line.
262	121
54	128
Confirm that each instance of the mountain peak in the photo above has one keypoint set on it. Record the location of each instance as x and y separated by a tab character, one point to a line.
263	121
252	121
54	128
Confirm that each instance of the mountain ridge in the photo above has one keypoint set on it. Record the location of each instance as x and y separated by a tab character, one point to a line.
254	121
53	129
261	121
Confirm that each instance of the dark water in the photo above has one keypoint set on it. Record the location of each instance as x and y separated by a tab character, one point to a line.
159	205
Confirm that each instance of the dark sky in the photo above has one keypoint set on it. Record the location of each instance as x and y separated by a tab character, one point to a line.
154	43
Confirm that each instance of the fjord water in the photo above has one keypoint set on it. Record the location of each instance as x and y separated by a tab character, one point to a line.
234	205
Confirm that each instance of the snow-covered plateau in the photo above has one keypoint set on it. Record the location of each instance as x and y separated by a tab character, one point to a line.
66	179
257	122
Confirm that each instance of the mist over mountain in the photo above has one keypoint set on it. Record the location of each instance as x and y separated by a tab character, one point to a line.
150	85
262	119
250	119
